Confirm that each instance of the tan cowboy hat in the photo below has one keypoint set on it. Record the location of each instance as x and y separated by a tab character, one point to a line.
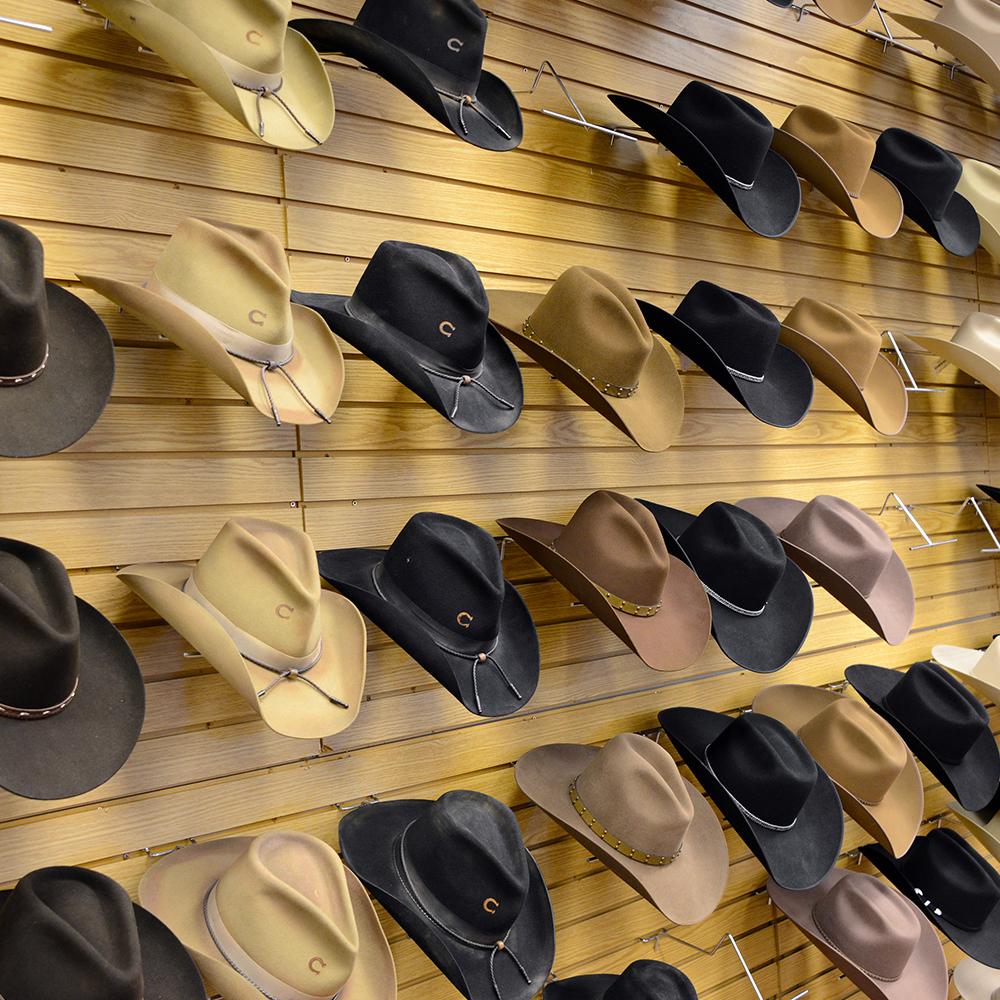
980	184
844	352
836	157
629	805
978	668
278	915
612	557
254	608
975	981
876	775
244	56
222	293
975	346
846	12
983	825
590	333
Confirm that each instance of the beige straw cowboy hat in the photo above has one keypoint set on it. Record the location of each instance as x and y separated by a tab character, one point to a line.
244	56
975	346
980	183
278	915
254	608
978	668
221	292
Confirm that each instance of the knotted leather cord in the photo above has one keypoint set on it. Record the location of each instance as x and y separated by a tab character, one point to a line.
493	949
273	366
297	675
470	101
263	93
8	381
463	380
743	809
10	712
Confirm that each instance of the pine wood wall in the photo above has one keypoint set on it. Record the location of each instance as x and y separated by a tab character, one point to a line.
103	151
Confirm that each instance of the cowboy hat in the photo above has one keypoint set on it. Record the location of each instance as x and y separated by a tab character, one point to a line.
627	804
243	56
726	141
975	981
432	50
974	348
456	876
848	554
644	979
979	668
846	12
72	701
611	556
57	362
439	591
983	824
221	292
73	934
980	183
836	157
254	608
876	775
273	916
422	315
734	339
762	604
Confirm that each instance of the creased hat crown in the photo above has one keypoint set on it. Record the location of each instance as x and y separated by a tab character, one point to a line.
852	341
24	312
919	165
980	332
848	149
649	980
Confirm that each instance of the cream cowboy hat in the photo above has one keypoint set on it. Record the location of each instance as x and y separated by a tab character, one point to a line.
244	56
980	184
975	981
221	292
978	668
974	348
254	608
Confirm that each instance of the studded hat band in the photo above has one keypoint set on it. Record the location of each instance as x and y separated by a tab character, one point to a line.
614	842
9	712
9	381
629	607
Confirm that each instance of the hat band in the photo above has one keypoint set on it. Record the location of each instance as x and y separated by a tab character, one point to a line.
733	607
777	827
740	184
241	963
619	603
829	938
615	842
9	712
8	381
736	373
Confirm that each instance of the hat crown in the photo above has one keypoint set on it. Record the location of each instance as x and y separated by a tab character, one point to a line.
980	332
870	923
286	902
739	329
616	542
731	129
431	296
24	309
975	18
263	577
451	570
922	167
592	321
39	628
648	980
852	341
848	149
69	934
764	766
980	183
633	788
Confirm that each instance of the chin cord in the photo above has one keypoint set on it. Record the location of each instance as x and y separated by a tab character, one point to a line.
460	382
477	661
263	93
298	675
468	101
271	366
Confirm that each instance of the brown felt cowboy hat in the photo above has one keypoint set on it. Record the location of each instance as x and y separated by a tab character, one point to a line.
278	915
612	557
590	333
876	775
221	292
975	346
980	184
628	804
254	608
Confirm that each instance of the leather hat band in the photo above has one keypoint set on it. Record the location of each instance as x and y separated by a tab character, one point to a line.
629	607
9	381
9	712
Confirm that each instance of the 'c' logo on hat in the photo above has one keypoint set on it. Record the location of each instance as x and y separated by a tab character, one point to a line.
447	328
253	37
315	965
491	905
253	314
464	619
284	611
455	44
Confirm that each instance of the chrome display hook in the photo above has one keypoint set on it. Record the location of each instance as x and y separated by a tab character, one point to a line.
974	503
912	386
907	509
34	26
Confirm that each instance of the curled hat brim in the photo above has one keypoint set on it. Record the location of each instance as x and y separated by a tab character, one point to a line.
962	663
846	12
975	981
957	230
980	184
983	825
981	368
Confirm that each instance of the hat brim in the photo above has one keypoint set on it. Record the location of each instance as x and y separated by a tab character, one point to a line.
980	184
993	492
685	891
368	842
965	49
175	889
292	708
878	208
762	643
672	639
973	781
894	821
651	417
317	365
890	607
581	988
968	361
768	208
975	981
846	12
56	409
925	974
983	826
419	80
86	743
799	858
962	663
517	650
782	399
401	356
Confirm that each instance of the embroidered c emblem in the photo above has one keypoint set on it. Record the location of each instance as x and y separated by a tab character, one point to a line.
315	965
447	328
284	611
464	619
254	37
491	905
253	314
455	44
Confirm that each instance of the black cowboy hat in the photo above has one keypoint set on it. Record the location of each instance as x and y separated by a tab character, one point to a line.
734	339
769	787
955	888
993	492
422	314
762	603
72	700
942	723
73	934
432	50
644	979
57	362
926	176
440	593
726	141
456	876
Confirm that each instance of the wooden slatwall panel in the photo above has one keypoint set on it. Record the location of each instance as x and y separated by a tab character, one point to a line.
103	151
